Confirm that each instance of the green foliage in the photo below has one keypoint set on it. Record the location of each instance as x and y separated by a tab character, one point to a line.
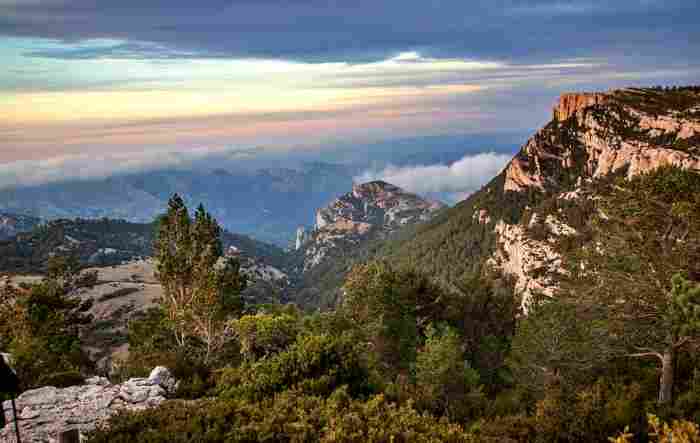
151	344
400	350
390	305
288	417
682	316
679	431
445	381
643	233
313	364
688	403
40	328
556	342
262	334
483	309
588	414
199	295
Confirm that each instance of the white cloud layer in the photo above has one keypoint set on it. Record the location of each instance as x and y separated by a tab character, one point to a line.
87	167
458	179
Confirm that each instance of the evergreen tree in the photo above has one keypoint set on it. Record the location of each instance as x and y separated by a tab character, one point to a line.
200	292
638	276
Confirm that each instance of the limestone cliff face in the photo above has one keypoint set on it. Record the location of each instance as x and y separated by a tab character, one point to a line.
571	103
370	210
606	133
625	132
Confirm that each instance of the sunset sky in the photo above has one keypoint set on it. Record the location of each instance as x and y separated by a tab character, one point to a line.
89	77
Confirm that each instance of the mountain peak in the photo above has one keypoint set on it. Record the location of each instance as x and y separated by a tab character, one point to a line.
376	185
370	210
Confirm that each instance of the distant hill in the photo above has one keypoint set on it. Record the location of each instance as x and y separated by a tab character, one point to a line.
344	232
268	204
105	242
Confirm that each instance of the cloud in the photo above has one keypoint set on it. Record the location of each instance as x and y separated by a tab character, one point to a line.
458	179
115	50
87	167
362	30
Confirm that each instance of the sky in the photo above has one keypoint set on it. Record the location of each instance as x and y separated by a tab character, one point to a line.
116	82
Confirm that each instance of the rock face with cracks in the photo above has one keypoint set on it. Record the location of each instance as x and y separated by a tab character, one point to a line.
591	136
46	411
371	209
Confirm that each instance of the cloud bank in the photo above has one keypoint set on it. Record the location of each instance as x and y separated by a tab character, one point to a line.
88	167
457	180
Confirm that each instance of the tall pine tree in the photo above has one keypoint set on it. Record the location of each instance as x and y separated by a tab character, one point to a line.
201	291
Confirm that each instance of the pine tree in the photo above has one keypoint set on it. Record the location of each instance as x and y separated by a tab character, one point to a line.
200	292
638	276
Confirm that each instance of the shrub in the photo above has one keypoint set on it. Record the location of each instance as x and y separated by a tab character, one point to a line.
262	334
40	329
590	414
507	429
288	417
314	364
688	403
446	383
680	431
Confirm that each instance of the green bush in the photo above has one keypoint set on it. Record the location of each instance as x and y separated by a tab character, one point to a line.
688	403
314	364
40	326
263	334
591	413
446	384
288	417
518	428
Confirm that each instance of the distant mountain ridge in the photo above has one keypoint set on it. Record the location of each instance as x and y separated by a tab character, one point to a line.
268	203
106	242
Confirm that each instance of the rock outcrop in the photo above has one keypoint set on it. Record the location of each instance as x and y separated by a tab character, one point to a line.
591	136
571	103
370	210
44	412
300	238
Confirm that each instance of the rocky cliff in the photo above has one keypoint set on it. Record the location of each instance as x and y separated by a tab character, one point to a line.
571	103
370	210
592	136
508	225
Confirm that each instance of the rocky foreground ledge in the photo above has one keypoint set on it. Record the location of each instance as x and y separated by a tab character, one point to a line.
44	412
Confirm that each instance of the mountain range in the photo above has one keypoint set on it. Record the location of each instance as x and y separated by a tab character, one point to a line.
260	192
509	226
269	203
